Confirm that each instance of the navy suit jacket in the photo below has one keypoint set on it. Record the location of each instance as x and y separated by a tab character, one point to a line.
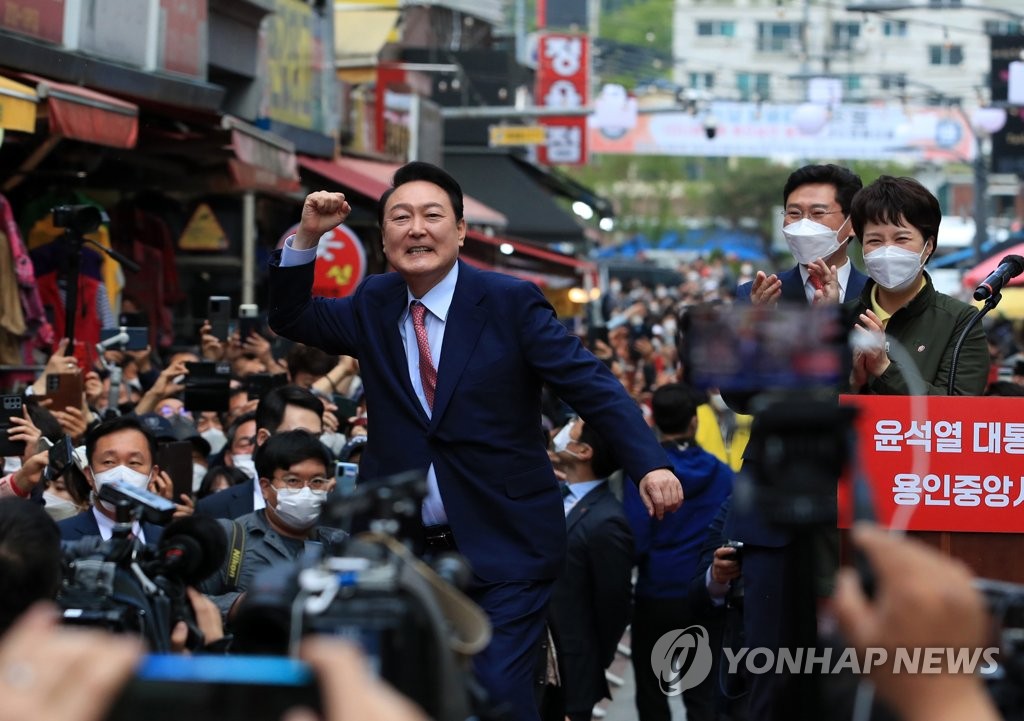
793	286
502	342
84	525
232	502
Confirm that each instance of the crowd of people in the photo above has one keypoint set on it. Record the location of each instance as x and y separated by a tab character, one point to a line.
471	378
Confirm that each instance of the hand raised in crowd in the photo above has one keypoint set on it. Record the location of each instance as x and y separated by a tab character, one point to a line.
661	492
829	277
23	429
766	289
259	346
602	350
56	673
56	364
92	386
186	508
164	386
73	420
350	691
31	472
321	212
724	566
208	620
161	484
212	347
923	599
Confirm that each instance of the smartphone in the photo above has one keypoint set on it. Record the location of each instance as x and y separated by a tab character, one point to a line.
216	688
138	338
176	458
64	390
346	407
597	333
218	312
248	320
133	320
10	406
258	385
346	475
207	386
62	455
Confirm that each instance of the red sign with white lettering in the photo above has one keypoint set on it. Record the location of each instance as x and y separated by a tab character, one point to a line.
43	19
563	81
938	463
340	262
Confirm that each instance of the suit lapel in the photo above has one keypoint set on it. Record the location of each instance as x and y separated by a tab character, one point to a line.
462	330
793	286
583	506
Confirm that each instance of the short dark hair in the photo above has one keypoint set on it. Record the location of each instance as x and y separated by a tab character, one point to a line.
284	450
232	430
898	201
272	405
418	170
603	462
844	180
308	359
235	476
115	425
673	408
30	558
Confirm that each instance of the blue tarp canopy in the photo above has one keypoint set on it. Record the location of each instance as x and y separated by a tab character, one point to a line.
742	244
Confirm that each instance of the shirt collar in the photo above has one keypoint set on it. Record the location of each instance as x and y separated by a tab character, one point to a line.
578	490
106	525
439	298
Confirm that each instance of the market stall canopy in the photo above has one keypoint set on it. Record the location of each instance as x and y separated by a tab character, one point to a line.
17	106
82	114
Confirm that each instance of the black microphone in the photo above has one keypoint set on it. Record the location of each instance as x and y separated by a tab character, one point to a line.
1009	267
193	548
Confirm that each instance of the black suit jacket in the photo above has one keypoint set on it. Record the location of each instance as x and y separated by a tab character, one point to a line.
590	602
230	503
84	525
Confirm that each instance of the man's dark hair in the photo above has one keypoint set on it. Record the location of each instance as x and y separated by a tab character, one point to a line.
114	425
307	359
284	450
603	461
673	408
30	558
418	170
899	201
844	180
272	405
232	430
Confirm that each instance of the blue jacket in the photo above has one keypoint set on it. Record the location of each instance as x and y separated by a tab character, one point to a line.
667	551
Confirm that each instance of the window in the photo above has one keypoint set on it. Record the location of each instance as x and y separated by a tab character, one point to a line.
702	81
851	83
895	81
716	28
894	28
1002	27
844	35
753	86
777	37
946	54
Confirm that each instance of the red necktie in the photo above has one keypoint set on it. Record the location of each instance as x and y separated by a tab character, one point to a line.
428	374
816	282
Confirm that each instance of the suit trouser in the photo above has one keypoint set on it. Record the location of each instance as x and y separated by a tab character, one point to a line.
652	618
507	668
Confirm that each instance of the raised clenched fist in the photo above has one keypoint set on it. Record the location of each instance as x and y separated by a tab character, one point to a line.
321	212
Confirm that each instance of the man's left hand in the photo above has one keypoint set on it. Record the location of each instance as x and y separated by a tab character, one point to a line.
661	492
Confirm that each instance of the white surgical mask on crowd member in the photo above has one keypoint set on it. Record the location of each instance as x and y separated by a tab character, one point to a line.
198	473
58	508
216	438
299	507
669	328
123	474
808	241
563	438
244	463
11	464
894	268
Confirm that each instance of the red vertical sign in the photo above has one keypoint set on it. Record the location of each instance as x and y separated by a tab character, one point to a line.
184	36
563	81
43	19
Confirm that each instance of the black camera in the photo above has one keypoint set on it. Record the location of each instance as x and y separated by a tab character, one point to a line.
125	586
416	627
81	219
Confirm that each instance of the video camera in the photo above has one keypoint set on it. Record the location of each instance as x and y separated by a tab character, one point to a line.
82	219
411	619
126	586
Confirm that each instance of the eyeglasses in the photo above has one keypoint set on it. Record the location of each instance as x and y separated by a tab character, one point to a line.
792	215
296	483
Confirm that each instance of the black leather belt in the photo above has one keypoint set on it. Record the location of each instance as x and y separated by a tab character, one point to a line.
439	538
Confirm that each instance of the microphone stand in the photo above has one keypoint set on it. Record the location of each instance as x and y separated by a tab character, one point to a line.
991	302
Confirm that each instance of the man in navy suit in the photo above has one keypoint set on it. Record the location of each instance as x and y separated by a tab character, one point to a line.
816	223
117	450
453	360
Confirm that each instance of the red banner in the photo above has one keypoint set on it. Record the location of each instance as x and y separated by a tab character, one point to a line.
43	19
183	37
563	81
340	262
939	463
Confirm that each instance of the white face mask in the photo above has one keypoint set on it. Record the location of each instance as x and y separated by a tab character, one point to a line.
299	508
894	268
244	463
123	474
198	474
11	464
58	508
808	241
563	438
216	438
